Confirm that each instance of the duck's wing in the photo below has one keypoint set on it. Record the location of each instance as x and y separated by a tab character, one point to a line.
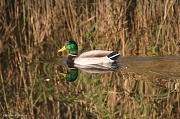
95	53
92	60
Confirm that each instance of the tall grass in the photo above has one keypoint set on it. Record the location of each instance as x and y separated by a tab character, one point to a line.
31	31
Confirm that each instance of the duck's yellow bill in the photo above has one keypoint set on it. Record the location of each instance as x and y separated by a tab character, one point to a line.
62	49
63	74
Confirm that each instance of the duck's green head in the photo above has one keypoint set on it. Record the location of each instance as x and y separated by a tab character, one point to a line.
71	46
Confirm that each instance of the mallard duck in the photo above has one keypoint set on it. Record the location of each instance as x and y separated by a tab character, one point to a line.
90	57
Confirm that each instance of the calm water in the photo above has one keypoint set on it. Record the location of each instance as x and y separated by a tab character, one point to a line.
141	87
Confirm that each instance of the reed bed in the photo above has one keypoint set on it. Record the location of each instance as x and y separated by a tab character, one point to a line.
32	31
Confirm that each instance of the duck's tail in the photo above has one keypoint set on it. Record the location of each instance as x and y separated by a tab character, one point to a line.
113	56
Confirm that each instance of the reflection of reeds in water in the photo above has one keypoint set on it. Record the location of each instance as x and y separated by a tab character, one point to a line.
31	31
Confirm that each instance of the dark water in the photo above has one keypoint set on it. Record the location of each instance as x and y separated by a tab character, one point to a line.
168	67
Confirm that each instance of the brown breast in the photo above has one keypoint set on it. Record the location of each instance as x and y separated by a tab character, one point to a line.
71	58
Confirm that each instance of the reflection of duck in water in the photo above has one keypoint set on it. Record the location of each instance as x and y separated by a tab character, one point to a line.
72	74
90	57
95	61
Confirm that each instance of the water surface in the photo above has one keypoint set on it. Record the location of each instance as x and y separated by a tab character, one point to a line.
141	87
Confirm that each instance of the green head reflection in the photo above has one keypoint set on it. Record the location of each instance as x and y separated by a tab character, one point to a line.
71	75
